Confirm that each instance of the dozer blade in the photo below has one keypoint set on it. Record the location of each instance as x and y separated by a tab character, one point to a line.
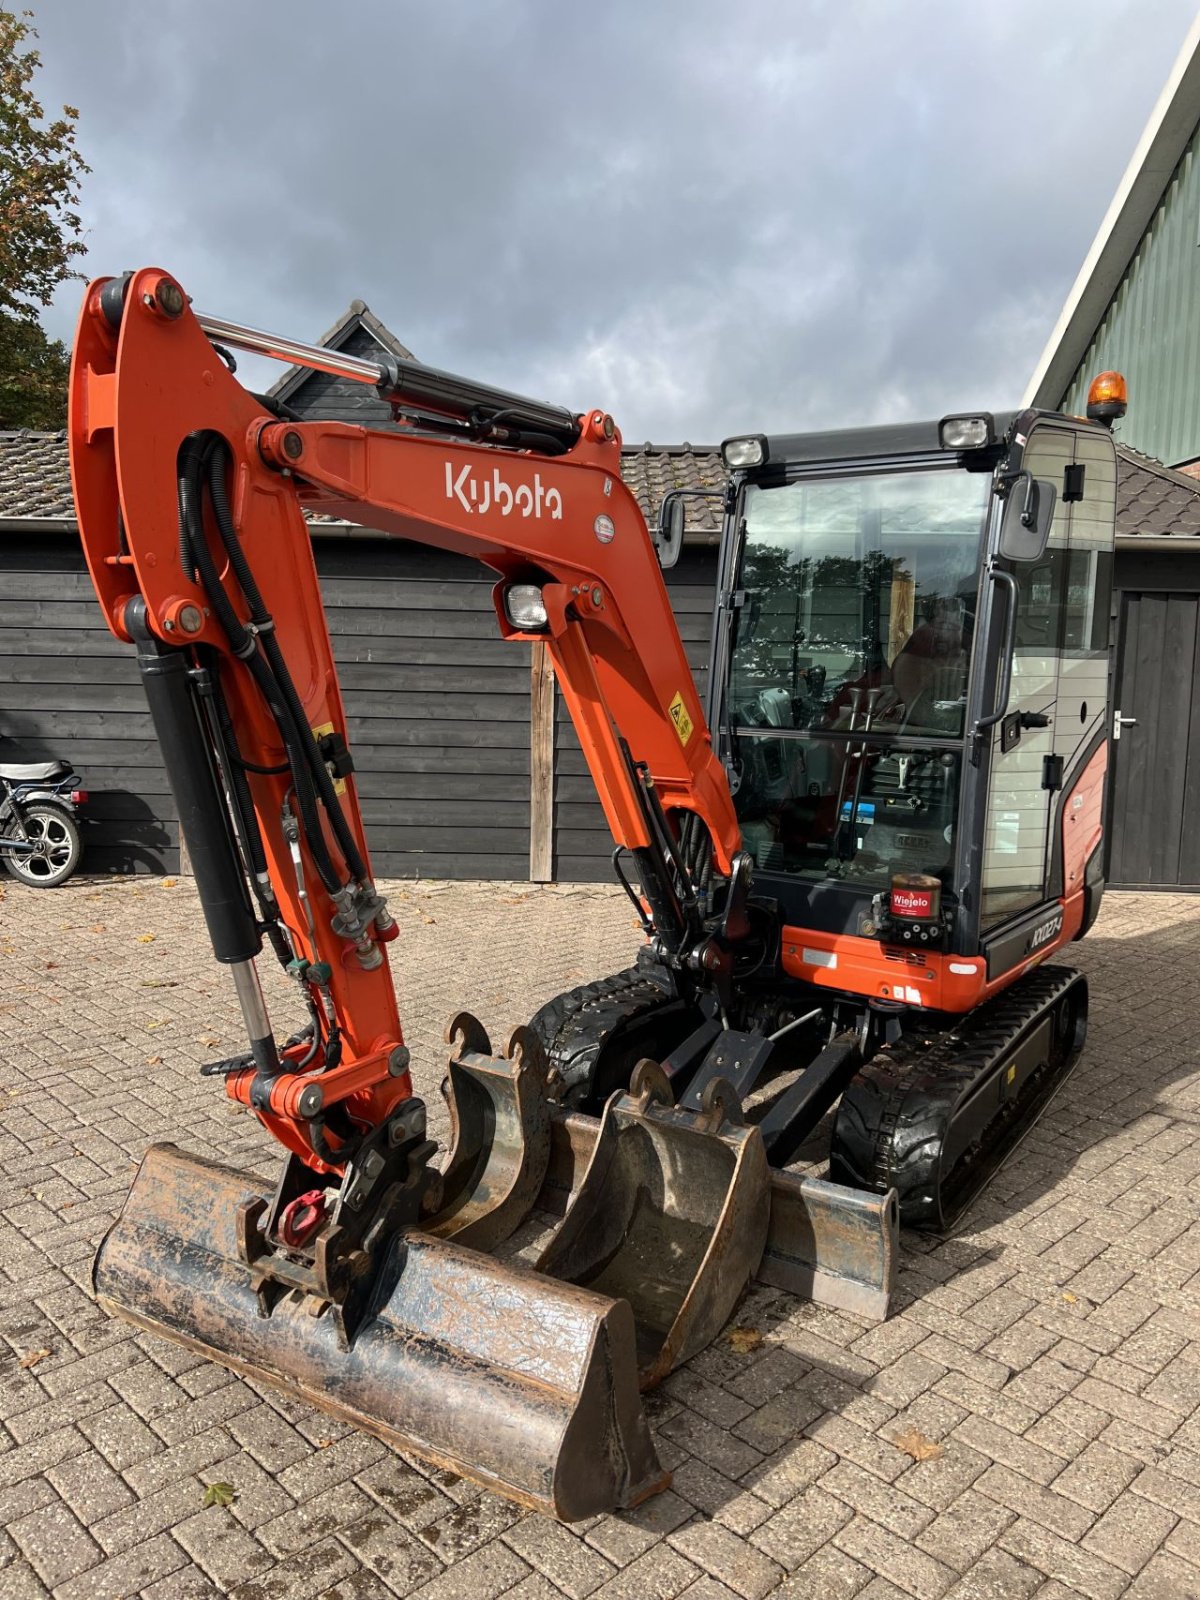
671	1216
499	1135
523	1384
836	1246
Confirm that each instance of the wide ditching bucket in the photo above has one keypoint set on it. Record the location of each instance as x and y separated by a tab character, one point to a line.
525	1385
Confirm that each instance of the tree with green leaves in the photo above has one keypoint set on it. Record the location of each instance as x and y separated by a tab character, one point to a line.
40	172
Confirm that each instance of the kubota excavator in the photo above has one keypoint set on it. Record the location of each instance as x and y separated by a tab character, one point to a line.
849	886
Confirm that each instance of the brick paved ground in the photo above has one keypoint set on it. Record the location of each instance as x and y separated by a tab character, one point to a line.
1046	1361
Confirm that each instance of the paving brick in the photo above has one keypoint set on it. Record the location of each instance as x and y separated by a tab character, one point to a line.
315	1519
732	1456
494	1570
1130	1531
1080	1570
800	1528
1000	1576
221	1547
55	1543
21	1582
882	1502
312	1572
660	1574
1097	1476
464	1528
183	1460
895	1559
967	1528
559	1555
829	1575
1009	1450
1165	1578
269	1438
725	1557
1052	1508
126	1574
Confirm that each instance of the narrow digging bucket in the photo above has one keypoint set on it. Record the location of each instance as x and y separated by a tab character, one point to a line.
499	1135
527	1386
671	1215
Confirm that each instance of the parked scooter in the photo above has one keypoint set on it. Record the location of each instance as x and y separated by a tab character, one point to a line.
39	829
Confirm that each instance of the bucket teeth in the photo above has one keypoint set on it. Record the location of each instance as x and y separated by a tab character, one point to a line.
527	1386
499	1135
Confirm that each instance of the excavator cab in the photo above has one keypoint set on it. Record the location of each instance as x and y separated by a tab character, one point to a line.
910	683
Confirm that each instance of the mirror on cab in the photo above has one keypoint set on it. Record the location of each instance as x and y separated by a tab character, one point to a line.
1027	518
668	536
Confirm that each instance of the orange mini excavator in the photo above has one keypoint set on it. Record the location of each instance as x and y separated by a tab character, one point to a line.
850	875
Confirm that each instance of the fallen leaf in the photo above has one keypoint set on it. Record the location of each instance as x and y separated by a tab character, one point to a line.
154	1061
426	919
208	1039
98	927
1071	1299
160	983
32	1359
50	966
323	1444
146	938
168	883
219	1494
914	1443
150	1026
744	1340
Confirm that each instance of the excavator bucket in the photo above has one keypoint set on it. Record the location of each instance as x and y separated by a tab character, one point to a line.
523	1384
671	1216
499	1135
836	1246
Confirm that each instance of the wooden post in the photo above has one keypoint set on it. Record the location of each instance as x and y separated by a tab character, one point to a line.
541	766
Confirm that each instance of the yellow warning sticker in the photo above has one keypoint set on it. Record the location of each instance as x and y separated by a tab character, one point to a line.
679	716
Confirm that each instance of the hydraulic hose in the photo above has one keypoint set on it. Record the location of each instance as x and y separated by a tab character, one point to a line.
194	458
218	489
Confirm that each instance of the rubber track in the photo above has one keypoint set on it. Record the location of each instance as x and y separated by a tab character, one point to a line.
893	1119
576	1025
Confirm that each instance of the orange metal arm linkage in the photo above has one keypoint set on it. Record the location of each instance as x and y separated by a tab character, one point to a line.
565	522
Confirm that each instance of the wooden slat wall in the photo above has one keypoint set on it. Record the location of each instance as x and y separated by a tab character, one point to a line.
438	708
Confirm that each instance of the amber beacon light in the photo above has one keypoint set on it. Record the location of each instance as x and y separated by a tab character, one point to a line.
1108	398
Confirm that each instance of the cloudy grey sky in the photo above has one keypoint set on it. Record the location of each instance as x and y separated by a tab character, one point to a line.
708	218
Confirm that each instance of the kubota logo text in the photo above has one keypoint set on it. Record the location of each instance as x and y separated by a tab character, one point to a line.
493	494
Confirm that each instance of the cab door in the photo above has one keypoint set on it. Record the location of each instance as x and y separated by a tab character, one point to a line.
1057	715
1017	827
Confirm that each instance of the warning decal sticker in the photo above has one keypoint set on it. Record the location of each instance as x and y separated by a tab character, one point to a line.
679	716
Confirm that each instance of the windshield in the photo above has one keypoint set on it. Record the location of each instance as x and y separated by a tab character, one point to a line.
859	602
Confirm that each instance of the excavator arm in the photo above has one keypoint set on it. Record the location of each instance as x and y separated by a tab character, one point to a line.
192	501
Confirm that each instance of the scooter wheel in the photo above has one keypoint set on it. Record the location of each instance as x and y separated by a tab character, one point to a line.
57	848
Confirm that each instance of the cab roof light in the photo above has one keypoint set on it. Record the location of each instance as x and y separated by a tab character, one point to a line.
1108	398
750	451
972	431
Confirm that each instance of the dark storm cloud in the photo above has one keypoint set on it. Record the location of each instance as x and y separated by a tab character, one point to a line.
706	218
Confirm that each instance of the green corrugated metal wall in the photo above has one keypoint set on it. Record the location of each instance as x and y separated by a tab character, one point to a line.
1151	331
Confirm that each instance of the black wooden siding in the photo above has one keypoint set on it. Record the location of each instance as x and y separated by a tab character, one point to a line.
437	704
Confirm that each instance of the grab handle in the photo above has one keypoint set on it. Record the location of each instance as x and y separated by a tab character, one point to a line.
1006	579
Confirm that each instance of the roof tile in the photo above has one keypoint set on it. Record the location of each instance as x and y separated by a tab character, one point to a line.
1152	499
